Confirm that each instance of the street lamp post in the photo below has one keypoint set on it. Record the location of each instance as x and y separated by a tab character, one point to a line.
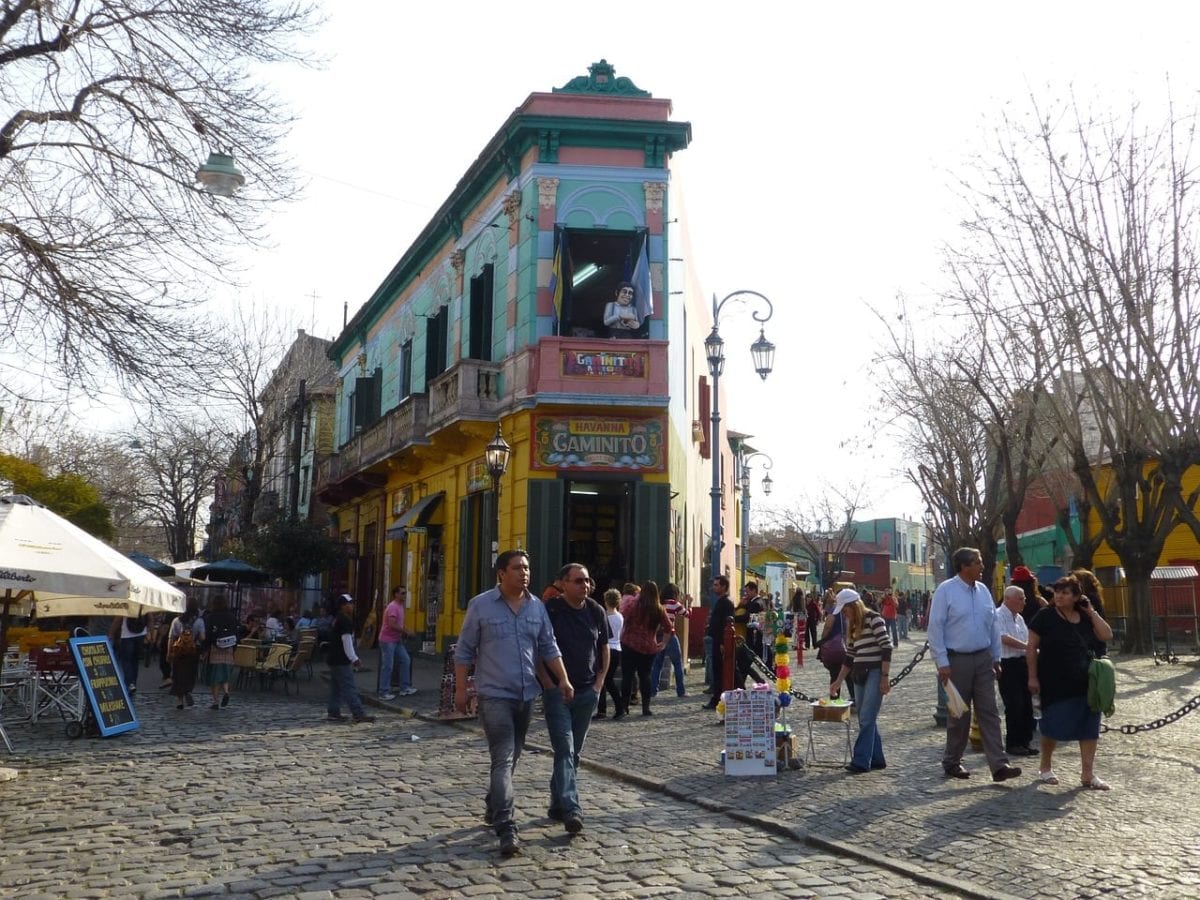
496	455
763	353
766	486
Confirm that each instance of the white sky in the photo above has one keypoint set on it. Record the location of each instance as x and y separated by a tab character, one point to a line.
826	141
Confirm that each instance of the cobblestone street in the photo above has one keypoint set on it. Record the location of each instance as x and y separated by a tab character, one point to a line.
266	799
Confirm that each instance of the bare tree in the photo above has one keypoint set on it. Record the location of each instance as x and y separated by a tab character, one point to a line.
106	109
1090	227
822	529
179	462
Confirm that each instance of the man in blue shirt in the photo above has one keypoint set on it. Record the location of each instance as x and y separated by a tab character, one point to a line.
504	634
966	650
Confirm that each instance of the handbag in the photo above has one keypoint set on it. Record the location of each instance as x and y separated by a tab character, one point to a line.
832	653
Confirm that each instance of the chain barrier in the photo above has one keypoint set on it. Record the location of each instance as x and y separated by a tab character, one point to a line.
1168	719
767	673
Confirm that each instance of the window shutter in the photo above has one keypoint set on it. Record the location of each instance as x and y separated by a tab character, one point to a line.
546	518
652	530
465	581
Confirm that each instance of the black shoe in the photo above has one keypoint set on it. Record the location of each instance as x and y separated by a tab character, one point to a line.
180	706
709	706
335	717
878	765
599	715
959	771
554	815
224	699
573	822
509	845
1006	772
619	714
364	718
215	706
647	712
856	770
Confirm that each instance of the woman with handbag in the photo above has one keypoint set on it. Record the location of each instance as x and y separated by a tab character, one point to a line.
183	652
867	663
1064	637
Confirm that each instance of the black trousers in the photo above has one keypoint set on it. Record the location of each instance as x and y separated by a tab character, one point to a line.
636	664
1018	705
611	683
718	665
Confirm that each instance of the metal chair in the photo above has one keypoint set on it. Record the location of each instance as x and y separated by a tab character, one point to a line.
275	663
245	660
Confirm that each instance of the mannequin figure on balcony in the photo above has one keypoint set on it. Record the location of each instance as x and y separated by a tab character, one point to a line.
620	315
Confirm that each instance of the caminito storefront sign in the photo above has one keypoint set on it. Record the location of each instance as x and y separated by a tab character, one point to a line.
599	443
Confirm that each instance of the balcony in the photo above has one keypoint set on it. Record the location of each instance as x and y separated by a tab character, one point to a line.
588	369
468	390
396	429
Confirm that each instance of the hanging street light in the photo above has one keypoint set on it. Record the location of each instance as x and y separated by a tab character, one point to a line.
496	455
762	353
766	484
220	175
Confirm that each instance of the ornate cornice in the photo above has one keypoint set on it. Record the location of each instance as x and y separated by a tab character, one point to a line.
547	192
512	206
654	195
601	79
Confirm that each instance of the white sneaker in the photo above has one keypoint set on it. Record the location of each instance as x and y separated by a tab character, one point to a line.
408	692
388	696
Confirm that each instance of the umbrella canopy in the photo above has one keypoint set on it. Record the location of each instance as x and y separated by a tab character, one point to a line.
64	571
152	565
230	569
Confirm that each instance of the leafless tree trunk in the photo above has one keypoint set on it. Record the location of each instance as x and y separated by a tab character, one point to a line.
107	107
1091	230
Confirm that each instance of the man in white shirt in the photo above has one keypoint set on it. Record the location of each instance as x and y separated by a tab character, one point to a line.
1014	674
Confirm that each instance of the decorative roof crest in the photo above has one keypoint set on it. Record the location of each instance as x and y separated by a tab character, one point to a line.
601	80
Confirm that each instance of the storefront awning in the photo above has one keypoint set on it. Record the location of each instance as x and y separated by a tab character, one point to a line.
1169	573
418	515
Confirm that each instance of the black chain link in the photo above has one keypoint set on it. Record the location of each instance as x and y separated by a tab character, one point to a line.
758	666
1168	719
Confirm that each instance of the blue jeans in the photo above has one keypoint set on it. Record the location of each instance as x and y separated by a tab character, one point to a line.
342	689
393	657
868	748
672	650
505	723
130	653
568	724
892	631
902	621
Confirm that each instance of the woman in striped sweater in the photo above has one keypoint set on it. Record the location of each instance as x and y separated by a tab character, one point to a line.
868	661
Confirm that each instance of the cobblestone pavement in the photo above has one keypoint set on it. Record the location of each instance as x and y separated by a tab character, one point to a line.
265	799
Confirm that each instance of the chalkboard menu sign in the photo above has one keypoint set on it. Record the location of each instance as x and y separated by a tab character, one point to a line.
104	685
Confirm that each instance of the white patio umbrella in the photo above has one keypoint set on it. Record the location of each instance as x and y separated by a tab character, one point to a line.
58	568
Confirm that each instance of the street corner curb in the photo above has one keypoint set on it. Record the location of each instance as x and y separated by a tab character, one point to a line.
8	774
402	711
909	870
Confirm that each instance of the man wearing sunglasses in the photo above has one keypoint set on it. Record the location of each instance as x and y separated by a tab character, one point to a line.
581	632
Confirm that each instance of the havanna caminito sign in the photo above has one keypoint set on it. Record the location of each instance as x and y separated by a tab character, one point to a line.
599	443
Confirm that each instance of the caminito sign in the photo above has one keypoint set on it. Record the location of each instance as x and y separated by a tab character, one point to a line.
598	443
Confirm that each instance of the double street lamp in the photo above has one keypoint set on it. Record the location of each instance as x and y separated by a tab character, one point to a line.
766	486
762	352
496	455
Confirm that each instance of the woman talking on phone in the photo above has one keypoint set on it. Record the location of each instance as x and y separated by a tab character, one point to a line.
1063	638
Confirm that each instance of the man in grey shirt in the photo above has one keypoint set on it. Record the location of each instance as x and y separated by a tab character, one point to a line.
505	633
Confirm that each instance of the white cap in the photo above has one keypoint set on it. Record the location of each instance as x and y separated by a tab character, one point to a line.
844	597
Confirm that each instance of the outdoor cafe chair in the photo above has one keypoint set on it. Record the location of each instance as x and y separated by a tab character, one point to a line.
245	660
275	663
300	658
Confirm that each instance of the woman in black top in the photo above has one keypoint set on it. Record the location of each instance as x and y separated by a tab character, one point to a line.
1063	638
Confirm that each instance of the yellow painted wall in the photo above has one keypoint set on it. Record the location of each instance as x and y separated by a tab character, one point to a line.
1181	543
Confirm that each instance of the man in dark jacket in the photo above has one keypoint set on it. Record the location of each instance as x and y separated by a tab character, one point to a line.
721	613
343	663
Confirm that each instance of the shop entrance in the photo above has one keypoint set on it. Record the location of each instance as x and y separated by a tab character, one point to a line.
599	530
